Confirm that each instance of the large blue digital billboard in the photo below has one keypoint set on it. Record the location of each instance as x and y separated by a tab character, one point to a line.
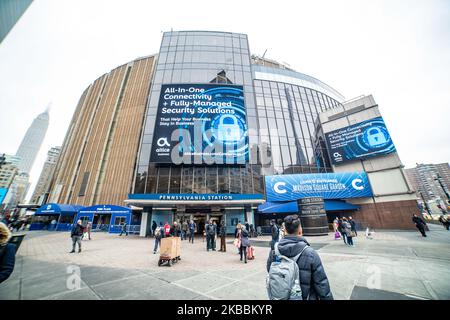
343	185
3	192
366	139
200	124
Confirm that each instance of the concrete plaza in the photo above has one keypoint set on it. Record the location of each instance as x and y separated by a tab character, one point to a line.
392	265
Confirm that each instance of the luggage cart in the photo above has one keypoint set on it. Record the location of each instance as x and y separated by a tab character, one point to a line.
170	251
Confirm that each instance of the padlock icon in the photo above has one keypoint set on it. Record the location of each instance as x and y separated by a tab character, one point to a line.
375	137
228	129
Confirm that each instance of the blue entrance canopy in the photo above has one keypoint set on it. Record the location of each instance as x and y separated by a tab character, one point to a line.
292	207
55	208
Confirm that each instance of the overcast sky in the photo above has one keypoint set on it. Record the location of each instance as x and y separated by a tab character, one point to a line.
399	51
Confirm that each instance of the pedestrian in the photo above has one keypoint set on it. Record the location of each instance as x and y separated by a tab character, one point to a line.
158	233
123	229
210	236
252	231
88	229
75	234
192	230
353	225
184	230
53	225
245	243
312	277
341	230
166	229
223	235
420	224
247	226
154	226
275	231
237	231
282	232
335	224
7	253
348	231
175	230
444	221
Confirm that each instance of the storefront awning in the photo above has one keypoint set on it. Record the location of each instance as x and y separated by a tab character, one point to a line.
105	209
337	205
278	207
55	208
292	207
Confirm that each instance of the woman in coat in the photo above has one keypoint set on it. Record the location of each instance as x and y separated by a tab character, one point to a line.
7	253
243	237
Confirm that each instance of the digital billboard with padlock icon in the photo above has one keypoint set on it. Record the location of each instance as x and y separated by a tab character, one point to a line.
200	124
363	140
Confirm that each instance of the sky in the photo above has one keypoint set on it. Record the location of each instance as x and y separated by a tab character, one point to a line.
396	50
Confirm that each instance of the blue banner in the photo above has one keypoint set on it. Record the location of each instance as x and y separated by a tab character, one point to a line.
200	124
3	192
326	185
366	139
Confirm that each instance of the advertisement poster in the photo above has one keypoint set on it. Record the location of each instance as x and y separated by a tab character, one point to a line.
200	124
360	141
325	185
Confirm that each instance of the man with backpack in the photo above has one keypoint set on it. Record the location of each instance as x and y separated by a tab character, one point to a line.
295	269
159	234
275	234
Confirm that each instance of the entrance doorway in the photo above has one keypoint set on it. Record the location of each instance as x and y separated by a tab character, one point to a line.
200	221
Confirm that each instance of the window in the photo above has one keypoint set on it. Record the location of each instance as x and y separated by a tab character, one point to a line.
84	182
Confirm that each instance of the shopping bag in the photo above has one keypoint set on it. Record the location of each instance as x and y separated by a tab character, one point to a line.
337	235
237	243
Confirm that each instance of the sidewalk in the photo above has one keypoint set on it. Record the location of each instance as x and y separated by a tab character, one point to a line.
401	265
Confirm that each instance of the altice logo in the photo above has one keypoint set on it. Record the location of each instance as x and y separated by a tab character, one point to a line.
357	184
277	189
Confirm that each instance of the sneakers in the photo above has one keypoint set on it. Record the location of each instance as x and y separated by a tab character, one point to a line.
73	251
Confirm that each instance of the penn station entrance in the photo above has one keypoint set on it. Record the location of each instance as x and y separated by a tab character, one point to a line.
162	208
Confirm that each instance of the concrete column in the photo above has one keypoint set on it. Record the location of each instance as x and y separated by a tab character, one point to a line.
144	222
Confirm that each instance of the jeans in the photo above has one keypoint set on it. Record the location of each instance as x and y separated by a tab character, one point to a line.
272	244
157	243
210	242
191	236
243	250
350	240
75	240
422	231
344	237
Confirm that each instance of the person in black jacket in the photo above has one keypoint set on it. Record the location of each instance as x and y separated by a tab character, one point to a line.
211	232
76	234
175	230
7	253
420	224
313	279
223	235
353	225
275	233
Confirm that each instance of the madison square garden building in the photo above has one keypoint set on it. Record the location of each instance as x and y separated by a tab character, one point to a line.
202	129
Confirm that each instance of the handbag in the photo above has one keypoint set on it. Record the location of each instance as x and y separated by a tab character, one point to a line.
337	235
352	234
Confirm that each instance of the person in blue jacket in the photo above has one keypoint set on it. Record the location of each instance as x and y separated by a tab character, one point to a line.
7	253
